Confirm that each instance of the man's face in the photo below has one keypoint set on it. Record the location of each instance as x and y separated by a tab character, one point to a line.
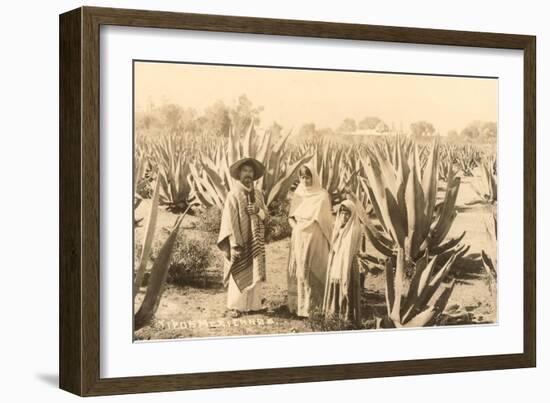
246	175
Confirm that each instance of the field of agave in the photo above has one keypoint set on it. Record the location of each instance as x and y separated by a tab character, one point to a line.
406	190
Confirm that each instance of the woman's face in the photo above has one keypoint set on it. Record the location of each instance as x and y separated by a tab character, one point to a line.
305	177
345	214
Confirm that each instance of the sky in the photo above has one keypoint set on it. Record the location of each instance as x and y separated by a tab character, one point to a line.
294	97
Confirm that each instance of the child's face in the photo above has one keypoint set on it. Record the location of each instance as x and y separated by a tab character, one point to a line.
345	214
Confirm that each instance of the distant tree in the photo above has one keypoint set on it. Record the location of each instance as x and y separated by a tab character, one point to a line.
275	129
348	125
188	120
422	128
148	117
177	118
471	132
216	120
479	131
382	127
244	113
489	132
370	123
325	131
308	130
146	120
171	115
452	135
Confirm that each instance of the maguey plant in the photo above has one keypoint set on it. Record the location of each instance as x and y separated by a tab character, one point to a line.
140	164
210	178
467	158
412	231
489	255
172	157
488	186
159	270
446	165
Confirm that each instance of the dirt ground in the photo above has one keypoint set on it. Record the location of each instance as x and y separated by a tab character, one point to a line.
200	311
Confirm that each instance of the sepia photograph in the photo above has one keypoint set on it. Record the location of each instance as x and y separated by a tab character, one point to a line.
273	200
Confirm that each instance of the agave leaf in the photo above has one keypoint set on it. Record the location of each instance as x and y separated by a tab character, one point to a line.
139	172
429	185
377	194
286	180
488	265
447	213
397	218
428	316
419	288
419	271
248	150
372	197
155	286
429	285
414	202
399	285
392	156
349	180
216	181
382	244
387	173
403	169
421	319
436	280
198	194
280	144
233	146
448	245
443	299
262	155
378	240
390	286
206	189
148	240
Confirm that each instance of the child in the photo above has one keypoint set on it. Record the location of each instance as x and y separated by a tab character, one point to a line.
343	288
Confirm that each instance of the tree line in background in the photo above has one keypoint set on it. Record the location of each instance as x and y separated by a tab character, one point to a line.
219	117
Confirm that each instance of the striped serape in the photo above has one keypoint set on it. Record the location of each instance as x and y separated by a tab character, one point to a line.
245	231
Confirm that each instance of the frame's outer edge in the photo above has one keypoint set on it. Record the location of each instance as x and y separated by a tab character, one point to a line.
530	201
305	28
70	280
80	200
90	202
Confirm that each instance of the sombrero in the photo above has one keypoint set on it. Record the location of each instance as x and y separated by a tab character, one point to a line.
259	169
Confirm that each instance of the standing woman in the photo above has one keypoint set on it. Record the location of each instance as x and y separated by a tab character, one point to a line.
343	288
311	220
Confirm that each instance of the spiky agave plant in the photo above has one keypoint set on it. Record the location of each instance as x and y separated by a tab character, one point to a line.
412	232
210	178
489	256
467	158
171	156
404	200
446	165
139	172
159	270
488	191
417	299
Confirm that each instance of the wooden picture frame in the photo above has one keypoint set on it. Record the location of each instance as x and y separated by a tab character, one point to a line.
79	347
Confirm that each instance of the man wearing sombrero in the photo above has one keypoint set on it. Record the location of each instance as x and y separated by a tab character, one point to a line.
242	238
